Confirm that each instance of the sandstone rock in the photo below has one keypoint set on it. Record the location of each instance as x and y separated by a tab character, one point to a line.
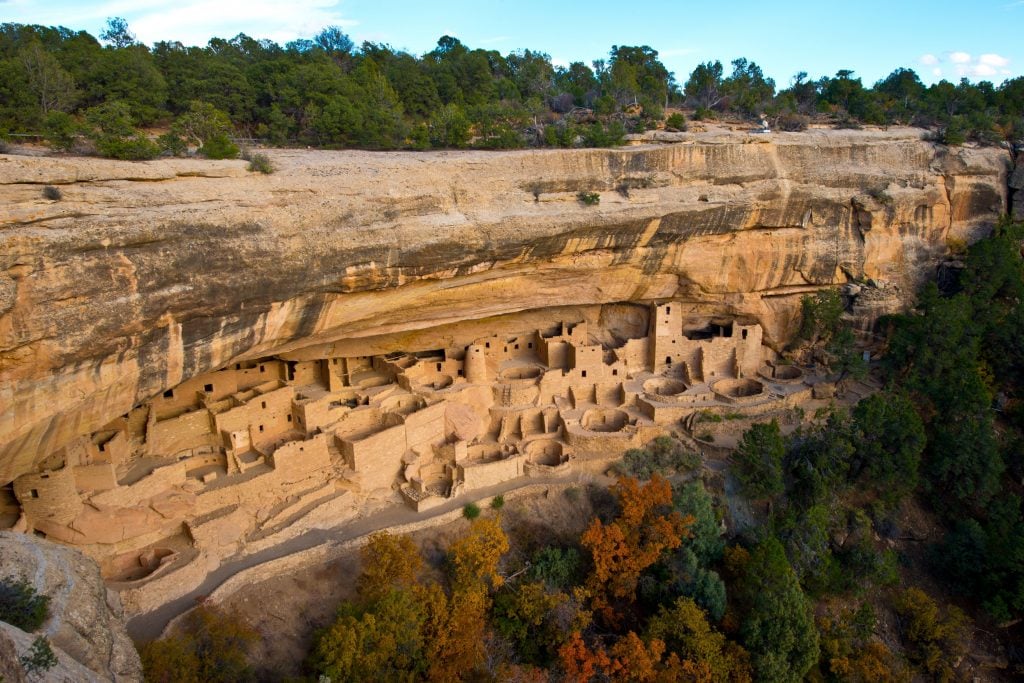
83	624
150	273
67	669
10	669
462	422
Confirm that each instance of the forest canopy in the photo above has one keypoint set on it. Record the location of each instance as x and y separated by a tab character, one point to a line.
74	88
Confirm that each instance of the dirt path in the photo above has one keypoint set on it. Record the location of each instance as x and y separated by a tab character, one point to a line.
149	625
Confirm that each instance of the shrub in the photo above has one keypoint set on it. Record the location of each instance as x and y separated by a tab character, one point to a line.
589	198
21	606
471	511
111	129
597	135
449	127
676	122
40	657
137	148
846	122
663	456
219	146
556	567
172	144
53	193
260	163
953	134
498	502
60	130
572	494
792	122
703	114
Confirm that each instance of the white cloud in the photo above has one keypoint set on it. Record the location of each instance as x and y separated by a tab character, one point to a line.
960	64
993	60
194	22
980	70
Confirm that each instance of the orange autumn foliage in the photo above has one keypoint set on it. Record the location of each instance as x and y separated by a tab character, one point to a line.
628	660
636	539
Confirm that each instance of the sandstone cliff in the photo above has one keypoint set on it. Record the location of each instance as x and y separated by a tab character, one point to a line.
85	626
146	274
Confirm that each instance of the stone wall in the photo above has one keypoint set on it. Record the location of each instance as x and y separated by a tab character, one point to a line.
184	432
377	457
50	496
297	459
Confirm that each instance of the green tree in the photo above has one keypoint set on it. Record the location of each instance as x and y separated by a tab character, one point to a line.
127	75
449	127
53	87
684	629
817	461
637	75
935	639
820	316
117	34
749	92
384	642
334	41
888	440
579	81
558	568
905	94
801	96
777	624
706	540
704	86
60	129
526	615
757	461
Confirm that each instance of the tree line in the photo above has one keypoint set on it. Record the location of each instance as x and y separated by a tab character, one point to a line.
328	92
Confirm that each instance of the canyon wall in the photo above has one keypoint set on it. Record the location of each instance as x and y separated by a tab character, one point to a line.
146	274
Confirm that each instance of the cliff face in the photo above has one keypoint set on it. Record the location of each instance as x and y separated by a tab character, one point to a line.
146	274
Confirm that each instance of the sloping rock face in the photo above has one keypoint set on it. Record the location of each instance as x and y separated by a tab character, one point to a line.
146	274
85	626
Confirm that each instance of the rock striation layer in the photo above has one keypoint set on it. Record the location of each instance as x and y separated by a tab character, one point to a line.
146	274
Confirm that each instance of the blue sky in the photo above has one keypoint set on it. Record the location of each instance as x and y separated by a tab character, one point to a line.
983	40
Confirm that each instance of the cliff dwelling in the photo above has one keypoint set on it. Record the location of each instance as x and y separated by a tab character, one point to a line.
234	456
